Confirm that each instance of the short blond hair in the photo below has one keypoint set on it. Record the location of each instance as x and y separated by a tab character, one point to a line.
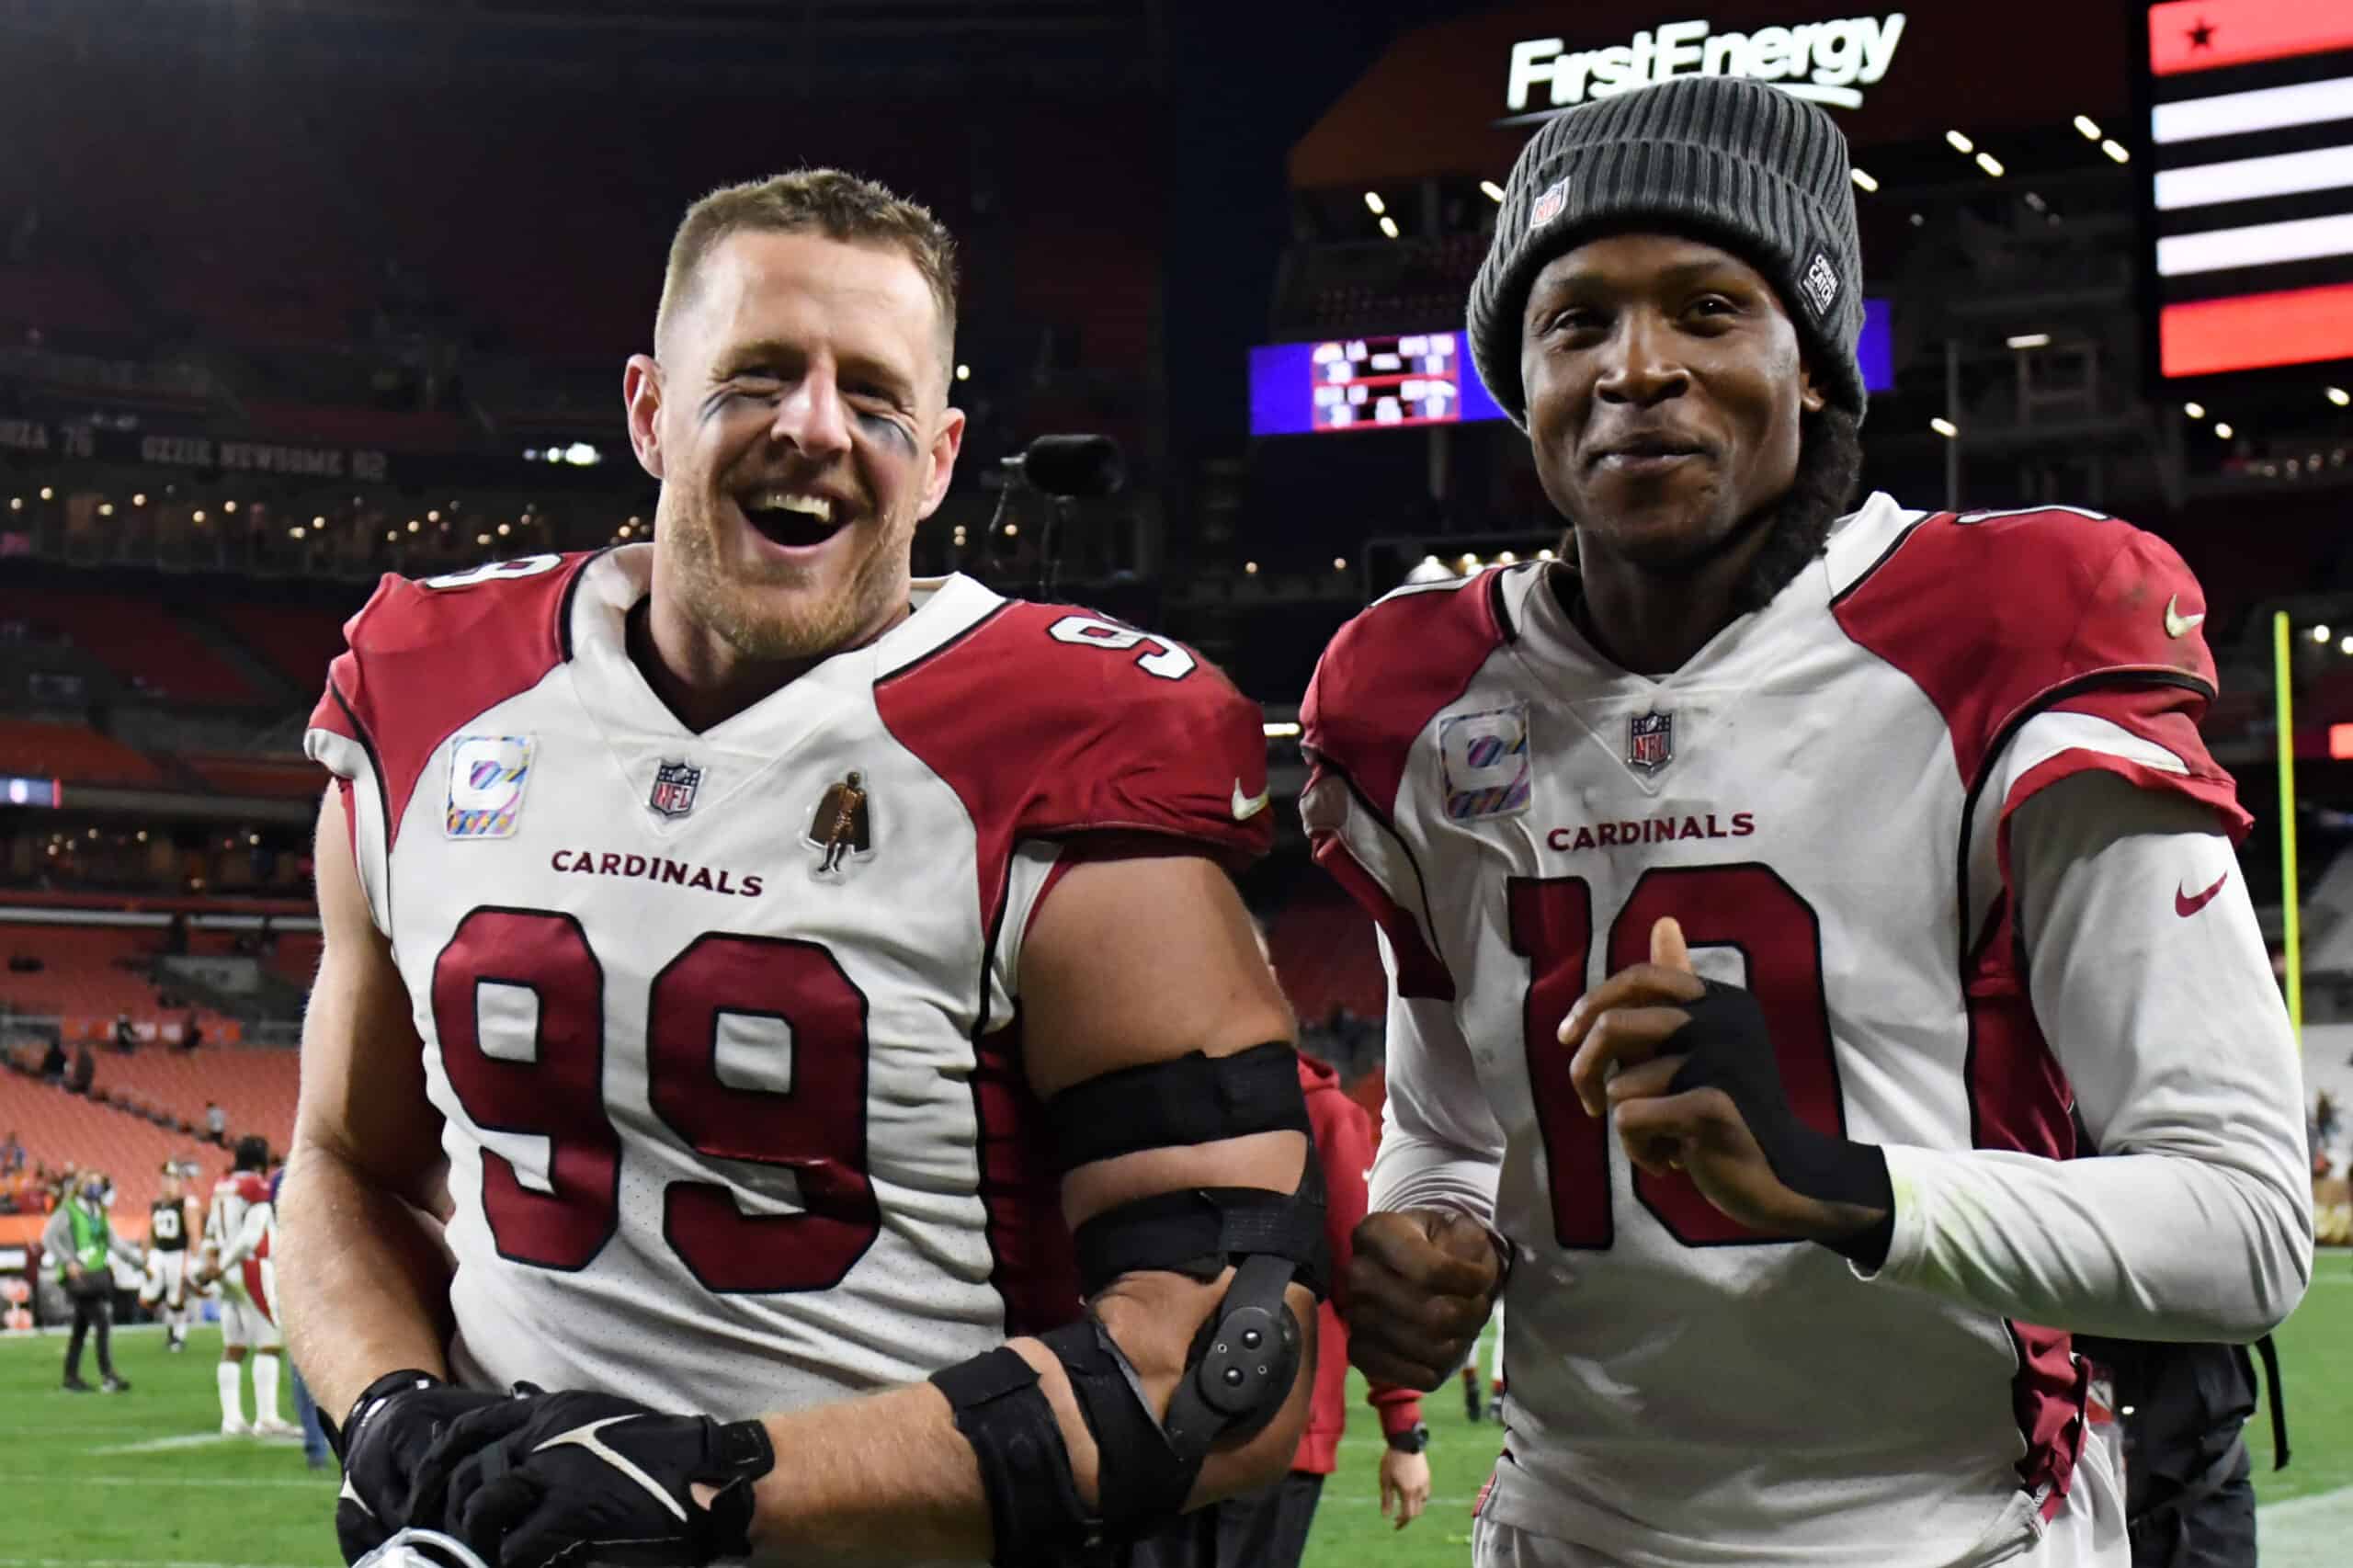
832	202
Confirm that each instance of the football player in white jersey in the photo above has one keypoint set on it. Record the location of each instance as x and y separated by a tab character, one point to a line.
1763	892
816	1002
236	1258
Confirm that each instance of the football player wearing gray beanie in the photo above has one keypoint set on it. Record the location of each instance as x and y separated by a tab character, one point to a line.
1765	892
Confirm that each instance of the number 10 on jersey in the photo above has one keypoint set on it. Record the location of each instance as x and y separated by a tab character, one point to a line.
1748	907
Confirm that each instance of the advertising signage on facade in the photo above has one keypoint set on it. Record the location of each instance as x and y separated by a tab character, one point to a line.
1828	62
1460	98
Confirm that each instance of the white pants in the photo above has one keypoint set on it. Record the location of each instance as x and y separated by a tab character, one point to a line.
166	1281
243	1323
2087	1532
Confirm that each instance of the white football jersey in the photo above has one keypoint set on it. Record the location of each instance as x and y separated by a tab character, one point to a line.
1820	797
724	1025
240	1206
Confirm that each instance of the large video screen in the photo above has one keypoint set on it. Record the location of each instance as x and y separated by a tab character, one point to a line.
2251	124
1406	382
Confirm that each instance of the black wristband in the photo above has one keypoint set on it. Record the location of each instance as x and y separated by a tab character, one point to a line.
403	1382
1728	1047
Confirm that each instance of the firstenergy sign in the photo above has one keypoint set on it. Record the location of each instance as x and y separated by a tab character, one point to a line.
1829	62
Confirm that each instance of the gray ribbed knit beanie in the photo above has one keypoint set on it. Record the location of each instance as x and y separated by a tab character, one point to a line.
1732	160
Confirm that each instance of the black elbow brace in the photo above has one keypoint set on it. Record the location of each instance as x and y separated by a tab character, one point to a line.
1242	1364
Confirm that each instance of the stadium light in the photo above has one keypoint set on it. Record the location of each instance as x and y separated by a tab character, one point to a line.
1492	191
16	503
47	493
964	372
231	507
1543	555
2195	410
197	516
1944	426
580	454
2089	126
143	835
1862	180
2115	150
1013	530
482	539
392	535
530	454
139	497
2338	396
1960	143
413	525
433	517
1339	564
1250	568
106	509
298	531
2029	340
2034	200
1373	200
2320	633
318	522
1281	730
2222	428
1991	165
502	530
1389	227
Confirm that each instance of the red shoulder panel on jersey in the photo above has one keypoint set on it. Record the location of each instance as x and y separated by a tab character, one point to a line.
425	656
1388	673
1999	616
1050	721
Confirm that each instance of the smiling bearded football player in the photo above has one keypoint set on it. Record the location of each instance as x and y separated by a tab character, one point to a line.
1838	862
815	999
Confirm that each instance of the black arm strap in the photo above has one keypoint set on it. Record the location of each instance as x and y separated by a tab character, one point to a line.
1201	1230
1196	1098
1035	1512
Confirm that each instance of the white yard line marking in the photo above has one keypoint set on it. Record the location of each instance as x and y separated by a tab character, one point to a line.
194	1441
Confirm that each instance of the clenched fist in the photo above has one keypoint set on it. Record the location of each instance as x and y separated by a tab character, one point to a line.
1419	1289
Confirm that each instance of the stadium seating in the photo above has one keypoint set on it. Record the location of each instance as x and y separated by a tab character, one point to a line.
1323	949
254	1085
297	641
88	977
268	777
137	638
57	1128
69	752
56	299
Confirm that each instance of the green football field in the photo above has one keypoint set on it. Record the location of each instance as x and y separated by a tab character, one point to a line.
142	1480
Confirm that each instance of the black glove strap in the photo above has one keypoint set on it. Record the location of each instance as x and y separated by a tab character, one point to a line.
406	1380
1726	1046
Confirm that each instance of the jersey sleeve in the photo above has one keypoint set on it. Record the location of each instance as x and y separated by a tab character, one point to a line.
1441	1146
422	658
1051	722
2149	979
2139	679
1343	1144
2053	642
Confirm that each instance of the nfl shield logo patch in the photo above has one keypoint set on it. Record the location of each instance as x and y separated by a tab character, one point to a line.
1485	758
1650	741
673	788
1548	205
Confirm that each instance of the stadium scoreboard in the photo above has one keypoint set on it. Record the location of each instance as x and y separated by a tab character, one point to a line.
1409	381
2249	200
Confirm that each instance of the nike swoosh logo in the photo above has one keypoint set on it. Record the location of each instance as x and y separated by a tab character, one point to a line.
1244	806
585	1437
2179	624
352	1493
2186	906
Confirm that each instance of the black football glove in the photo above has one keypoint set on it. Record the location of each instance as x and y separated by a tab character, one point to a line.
400	1416
576	1477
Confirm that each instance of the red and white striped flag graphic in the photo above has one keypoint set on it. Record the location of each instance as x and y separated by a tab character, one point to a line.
2252	126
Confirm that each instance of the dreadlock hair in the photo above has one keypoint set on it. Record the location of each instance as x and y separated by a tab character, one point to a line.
1797	524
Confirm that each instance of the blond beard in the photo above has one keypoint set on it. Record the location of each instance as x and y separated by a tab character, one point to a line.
767	627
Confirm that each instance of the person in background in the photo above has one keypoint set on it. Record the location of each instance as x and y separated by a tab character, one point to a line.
191	1032
236	1241
83	1242
12	1154
52	1061
126	1033
216	1123
85	1070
